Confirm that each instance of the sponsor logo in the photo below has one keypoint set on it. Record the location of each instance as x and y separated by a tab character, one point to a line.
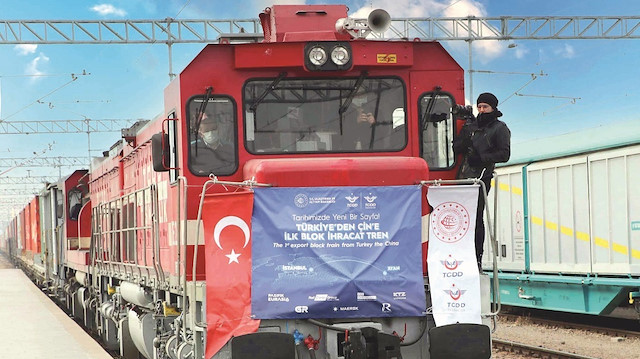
450	222
345	309
323	298
301	200
294	268
361	297
393	268
370	201
277	297
301	309
386	307
399	295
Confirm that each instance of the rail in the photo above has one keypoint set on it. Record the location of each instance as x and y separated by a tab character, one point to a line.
605	330
535	351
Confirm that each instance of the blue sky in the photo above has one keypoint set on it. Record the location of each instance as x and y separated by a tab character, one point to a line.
127	81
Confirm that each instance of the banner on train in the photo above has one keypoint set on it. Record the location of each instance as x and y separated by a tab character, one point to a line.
454	279
339	252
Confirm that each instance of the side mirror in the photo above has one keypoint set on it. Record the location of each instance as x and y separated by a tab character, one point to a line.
160	152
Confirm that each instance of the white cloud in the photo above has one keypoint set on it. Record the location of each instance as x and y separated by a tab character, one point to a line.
464	8
34	67
483	51
108	9
26	49
521	51
567	51
260	5
400	8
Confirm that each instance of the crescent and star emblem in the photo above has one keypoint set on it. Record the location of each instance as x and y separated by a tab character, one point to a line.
231	221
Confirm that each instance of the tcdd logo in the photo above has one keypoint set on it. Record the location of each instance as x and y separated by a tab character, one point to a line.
455	293
451	263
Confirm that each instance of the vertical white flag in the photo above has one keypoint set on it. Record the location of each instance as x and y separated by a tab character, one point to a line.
454	280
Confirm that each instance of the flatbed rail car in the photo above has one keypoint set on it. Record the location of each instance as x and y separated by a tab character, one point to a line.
568	223
171	246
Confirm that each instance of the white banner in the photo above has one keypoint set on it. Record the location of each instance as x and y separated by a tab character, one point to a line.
454	280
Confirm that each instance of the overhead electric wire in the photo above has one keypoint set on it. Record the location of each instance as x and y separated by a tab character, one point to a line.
73	78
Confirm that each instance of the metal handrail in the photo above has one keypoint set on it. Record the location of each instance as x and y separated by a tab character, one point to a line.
156	234
115	233
478	181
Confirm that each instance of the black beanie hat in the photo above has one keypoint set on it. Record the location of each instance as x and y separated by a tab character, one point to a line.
489	99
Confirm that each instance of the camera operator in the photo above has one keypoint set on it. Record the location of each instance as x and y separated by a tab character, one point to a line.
482	142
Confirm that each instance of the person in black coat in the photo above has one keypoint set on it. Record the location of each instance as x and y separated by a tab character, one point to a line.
482	142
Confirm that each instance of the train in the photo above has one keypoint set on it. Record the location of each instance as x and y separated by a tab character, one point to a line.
567	221
259	217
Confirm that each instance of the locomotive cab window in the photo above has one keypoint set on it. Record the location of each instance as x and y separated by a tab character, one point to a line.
212	139
436	130
74	203
323	115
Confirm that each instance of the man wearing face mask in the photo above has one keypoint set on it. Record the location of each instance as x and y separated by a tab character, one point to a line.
482	142
210	152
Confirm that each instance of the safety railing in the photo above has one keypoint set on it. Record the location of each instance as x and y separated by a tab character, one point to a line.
125	230
495	288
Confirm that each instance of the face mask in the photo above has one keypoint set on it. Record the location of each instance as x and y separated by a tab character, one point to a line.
210	138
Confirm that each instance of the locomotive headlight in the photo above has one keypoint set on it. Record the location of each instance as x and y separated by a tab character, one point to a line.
340	55
318	56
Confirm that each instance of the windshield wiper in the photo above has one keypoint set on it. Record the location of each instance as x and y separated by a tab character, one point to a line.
352	94
200	115
268	90
428	111
203	106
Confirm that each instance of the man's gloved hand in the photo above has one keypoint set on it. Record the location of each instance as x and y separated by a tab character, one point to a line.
466	141
474	160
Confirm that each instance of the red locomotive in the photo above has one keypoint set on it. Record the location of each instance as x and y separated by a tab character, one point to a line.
172	245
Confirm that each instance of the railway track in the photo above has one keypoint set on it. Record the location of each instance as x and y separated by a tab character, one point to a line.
535	352
614	332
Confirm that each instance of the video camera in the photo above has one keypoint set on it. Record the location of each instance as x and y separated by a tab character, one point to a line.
465	112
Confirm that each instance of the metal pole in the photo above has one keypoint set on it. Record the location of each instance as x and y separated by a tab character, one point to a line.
171	74
88	140
470	71
169	43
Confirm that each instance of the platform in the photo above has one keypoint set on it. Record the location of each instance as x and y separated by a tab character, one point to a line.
34	327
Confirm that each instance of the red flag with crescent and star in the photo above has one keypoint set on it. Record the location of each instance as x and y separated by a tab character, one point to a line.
227	233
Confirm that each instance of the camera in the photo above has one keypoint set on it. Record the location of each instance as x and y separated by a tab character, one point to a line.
465	112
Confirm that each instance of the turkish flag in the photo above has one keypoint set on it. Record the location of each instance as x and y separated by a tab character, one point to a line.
227	233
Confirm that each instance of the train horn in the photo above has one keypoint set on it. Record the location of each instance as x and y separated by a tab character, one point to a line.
379	20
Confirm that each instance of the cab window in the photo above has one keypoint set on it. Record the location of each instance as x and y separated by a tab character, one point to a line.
436	130
324	115
212	135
